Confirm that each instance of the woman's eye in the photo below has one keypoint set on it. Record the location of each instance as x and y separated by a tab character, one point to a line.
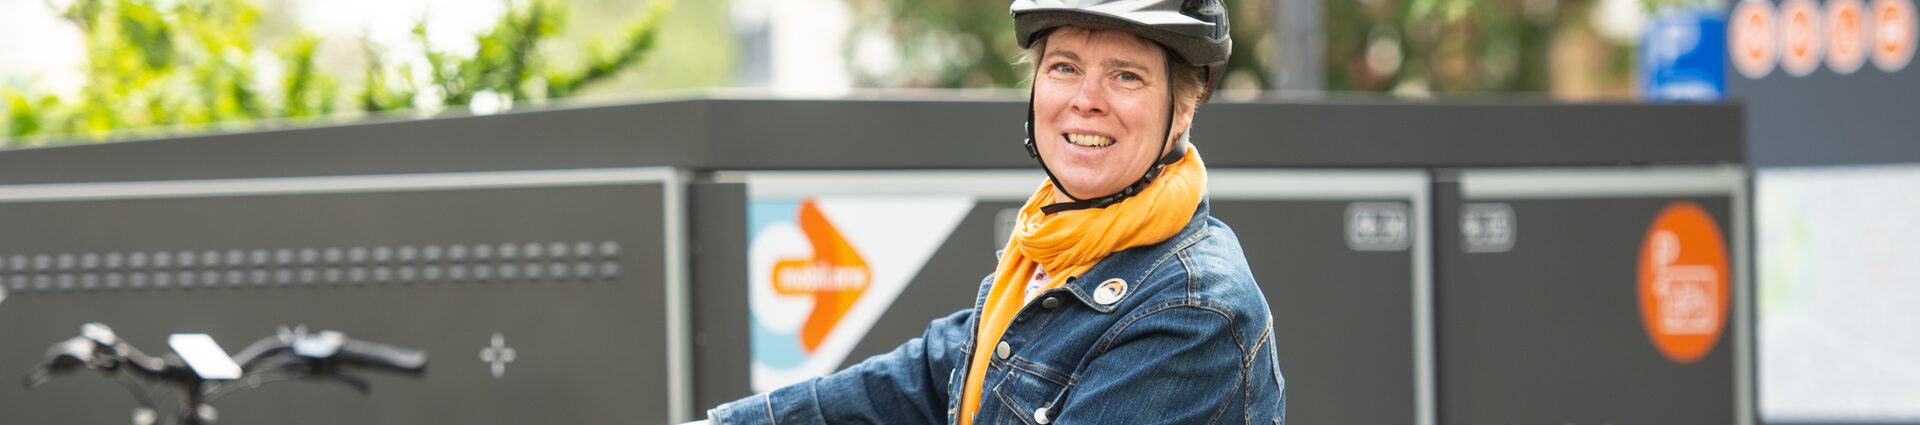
1128	76
1065	68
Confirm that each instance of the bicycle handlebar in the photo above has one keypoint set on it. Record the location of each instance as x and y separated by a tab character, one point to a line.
288	355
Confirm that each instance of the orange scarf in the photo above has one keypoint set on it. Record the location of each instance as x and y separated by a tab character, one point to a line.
1068	243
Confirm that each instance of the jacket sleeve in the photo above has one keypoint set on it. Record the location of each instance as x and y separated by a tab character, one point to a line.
1177	364
905	386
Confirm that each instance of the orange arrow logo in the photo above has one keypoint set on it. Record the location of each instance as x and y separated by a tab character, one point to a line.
836	276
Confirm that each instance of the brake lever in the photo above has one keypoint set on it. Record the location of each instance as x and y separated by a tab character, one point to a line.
44	372
37	376
359	384
62	357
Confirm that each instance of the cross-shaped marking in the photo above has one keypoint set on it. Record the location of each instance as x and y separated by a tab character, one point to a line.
498	354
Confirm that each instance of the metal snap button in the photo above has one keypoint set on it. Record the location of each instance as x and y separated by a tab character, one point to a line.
1050	302
1003	351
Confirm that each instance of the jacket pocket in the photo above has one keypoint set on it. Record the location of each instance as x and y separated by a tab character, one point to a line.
1024	395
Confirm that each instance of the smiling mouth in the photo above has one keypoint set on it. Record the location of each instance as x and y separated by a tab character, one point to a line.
1089	140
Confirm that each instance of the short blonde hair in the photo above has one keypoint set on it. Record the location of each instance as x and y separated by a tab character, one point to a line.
1189	82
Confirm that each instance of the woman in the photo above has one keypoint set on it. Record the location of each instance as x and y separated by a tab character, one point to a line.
1118	299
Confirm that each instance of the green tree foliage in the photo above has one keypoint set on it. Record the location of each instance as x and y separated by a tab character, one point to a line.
939	43
1451	46
1441	44
156	67
306	91
508	60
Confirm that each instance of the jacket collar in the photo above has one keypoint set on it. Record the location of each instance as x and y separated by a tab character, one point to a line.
1132	265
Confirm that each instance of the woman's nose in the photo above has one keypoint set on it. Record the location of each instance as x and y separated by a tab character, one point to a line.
1089	100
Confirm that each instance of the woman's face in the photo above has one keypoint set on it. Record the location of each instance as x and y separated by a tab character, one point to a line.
1100	103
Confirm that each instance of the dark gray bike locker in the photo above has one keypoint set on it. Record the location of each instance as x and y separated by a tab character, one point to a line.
1547	326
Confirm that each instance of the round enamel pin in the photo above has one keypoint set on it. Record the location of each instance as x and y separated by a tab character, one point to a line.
1110	291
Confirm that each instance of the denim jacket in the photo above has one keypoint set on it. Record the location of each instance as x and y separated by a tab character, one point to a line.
1189	341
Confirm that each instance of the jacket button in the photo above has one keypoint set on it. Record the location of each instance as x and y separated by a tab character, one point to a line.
1003	351
1040	416
1050	302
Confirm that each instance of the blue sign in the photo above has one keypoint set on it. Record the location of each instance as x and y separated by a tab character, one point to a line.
1683	56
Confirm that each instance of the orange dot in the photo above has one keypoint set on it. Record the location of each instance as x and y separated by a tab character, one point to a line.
1684	286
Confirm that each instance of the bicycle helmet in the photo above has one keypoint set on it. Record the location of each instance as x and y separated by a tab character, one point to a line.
1194	30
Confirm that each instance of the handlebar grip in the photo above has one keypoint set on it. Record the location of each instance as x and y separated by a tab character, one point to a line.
384	357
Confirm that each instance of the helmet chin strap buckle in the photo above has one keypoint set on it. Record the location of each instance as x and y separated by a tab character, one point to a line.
1032	151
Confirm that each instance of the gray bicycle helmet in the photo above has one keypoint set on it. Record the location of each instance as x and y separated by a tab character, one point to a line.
1192	31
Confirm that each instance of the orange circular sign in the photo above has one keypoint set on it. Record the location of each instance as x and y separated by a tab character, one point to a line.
1750	38
1893	34
1847	35
1800	38
1684	288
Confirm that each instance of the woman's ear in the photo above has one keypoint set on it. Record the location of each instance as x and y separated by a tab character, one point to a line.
1182	122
